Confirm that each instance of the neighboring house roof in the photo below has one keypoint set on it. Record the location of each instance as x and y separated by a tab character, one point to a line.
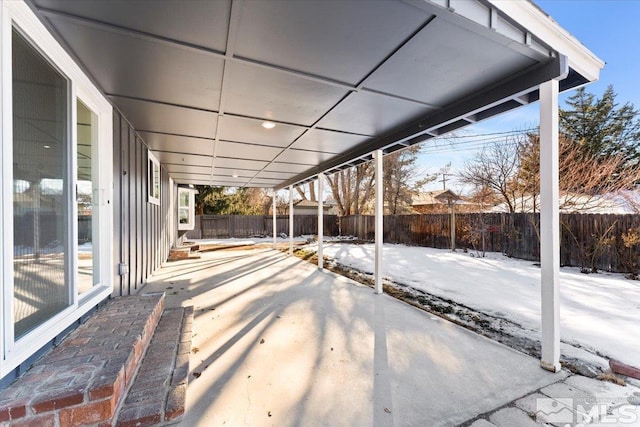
310	204
437	197
426	198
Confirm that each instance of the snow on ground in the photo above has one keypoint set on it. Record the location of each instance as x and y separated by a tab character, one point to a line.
598	311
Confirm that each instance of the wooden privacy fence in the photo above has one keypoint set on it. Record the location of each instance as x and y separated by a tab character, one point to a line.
589	241
243	226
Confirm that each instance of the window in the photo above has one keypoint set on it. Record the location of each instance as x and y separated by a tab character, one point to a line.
186	208
154	179
86	194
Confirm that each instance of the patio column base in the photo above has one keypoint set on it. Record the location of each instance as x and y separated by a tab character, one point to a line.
555	368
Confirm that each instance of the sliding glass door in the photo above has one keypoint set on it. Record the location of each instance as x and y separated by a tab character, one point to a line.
41	187
56	182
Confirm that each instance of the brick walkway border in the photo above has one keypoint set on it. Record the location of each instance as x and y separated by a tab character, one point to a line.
159	392
83	380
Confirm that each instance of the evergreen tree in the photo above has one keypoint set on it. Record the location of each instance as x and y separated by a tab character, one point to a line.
400	180
602	127
227	201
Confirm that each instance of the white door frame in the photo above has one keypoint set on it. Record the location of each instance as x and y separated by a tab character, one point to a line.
12	353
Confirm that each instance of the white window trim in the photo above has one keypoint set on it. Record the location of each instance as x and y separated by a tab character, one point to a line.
151	177
18	13
190	225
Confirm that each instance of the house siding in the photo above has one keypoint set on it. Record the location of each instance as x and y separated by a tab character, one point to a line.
143	232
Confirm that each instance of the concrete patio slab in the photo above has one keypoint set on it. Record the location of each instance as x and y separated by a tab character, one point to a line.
277	342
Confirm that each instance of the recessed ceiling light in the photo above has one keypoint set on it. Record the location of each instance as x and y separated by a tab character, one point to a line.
47	146
268	125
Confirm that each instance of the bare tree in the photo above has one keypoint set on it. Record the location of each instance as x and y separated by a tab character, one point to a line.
352	188
587	181
312	191
495	168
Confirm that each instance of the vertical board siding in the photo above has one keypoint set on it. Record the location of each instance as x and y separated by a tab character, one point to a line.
117	200
133	231
124	213
140	183
143	233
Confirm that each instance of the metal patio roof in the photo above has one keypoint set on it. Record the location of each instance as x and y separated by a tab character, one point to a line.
338	78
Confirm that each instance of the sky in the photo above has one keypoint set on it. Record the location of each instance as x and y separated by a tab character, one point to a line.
608	28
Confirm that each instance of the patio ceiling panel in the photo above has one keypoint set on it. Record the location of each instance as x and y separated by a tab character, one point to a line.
242	129
143	68
369	113
273	95
240	150
191	175
341	41
205	25
285	167
339	79
438	55
184	159
328	141
239	163
200	170
304	157
177	144
245	173
275	175
220	182
168	119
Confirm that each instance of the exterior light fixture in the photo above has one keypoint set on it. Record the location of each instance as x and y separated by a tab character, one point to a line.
268	125
47	146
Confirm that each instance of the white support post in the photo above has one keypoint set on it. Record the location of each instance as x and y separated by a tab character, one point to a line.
291	220
320	220
275	227
549	226
377	158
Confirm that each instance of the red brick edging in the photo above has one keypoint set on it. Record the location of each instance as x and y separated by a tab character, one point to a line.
624	369
159	393
83	380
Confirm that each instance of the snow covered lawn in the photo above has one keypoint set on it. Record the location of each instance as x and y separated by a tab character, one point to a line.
598	311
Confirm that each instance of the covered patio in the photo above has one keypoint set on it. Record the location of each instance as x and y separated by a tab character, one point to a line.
275	94
277	342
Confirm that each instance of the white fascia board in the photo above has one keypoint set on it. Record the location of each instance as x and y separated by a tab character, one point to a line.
545	28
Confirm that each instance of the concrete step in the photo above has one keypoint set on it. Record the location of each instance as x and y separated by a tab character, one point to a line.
83	380
158	393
